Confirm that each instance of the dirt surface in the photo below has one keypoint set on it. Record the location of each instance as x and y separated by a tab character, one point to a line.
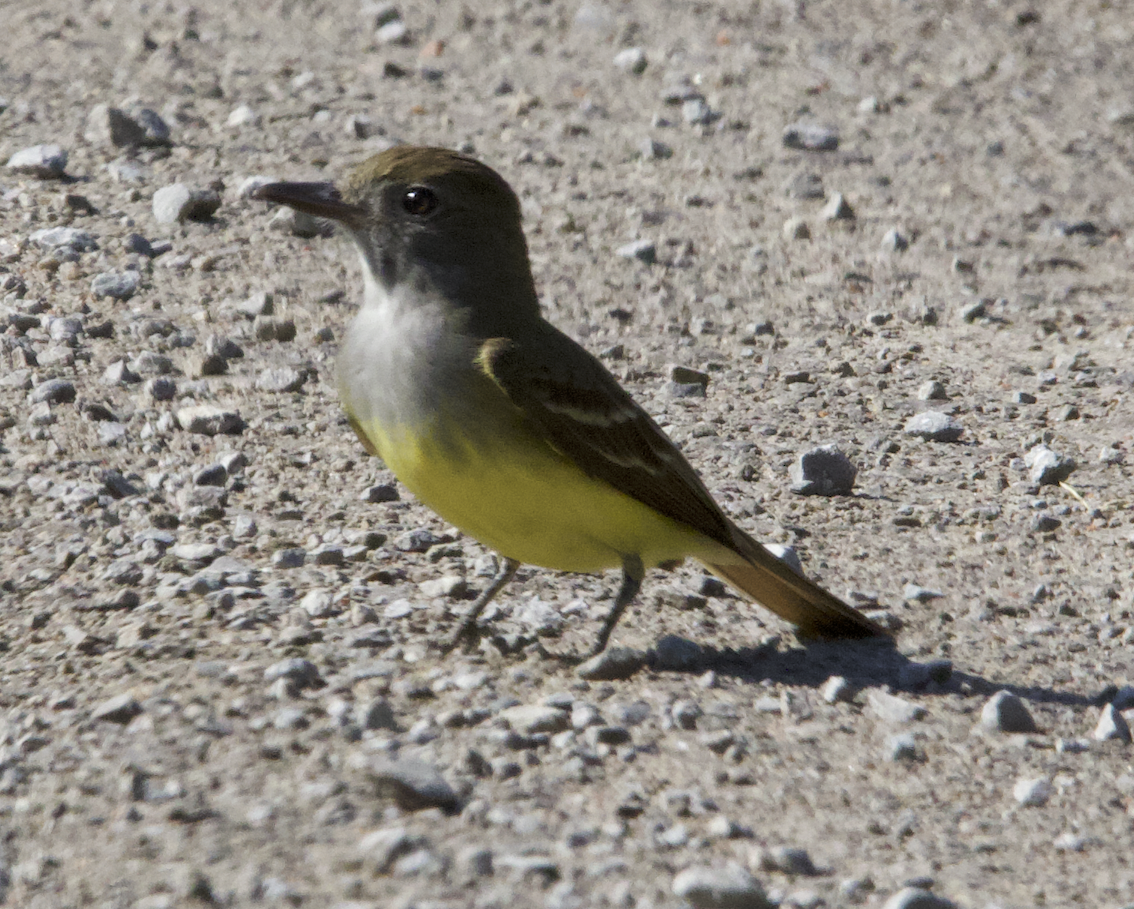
158	749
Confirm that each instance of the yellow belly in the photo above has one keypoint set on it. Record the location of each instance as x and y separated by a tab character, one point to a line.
528	502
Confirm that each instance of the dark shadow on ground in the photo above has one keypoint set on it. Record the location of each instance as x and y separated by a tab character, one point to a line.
867	664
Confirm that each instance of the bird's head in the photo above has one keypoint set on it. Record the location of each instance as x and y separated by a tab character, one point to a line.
432	219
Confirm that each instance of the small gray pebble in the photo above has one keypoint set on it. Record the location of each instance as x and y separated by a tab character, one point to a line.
291	718
894	240
653	150
806	186
193	884
1033	793
1072	746
223	347
917	898
270	328
160	388
260	303
532	718
811	136
300	672
478	860
243	115
70	237
207	420
111	433
53	391
913	593
1112	726
679	93
1070	842
632	60
382	492
1047	467
686	714
837	689
901	748
385	845
289	558
213	475
642	250
540	617
537	867
416	540
787	555
328	554
125	170
894	709
179	202
676	654
787	860
414	785
1045	522
974	310
696	112
65	329
136	243
614	663
855	889
837	209
112	126
155	131
393	32
152	364
632	714
281	380
1108	454
48	162
41	415
684	375
119	373
120	709
116	285
728	887
918	675
932	391
796	229
584	716
688	390
378	714
607	735
823	471
933	426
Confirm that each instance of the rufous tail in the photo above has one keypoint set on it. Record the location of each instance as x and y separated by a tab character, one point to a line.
772	583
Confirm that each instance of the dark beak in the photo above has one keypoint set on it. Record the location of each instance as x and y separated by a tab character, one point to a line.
319	199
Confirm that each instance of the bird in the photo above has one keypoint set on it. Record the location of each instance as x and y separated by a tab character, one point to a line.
501	423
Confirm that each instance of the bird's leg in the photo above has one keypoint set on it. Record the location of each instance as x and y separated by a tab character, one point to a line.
468	629
632	574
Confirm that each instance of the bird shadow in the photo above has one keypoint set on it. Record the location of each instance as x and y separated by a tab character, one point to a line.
869	664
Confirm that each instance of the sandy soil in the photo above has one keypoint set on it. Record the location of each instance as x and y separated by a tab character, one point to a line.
156	747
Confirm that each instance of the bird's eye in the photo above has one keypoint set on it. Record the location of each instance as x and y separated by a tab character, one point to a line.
419	201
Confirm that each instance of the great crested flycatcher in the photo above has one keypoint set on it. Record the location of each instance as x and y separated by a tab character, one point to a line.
501	423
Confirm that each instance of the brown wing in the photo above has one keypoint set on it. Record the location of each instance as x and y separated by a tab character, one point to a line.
579	407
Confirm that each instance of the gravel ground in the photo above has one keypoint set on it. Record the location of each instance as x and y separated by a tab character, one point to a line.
217	682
